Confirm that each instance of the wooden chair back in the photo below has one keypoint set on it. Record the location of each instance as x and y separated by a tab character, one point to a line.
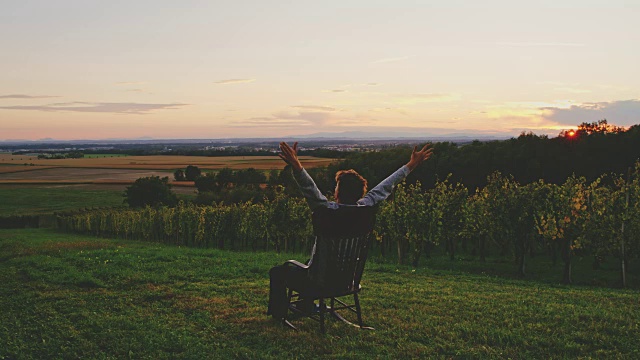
342	245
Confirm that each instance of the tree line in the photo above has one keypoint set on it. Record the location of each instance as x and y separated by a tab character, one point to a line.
592	150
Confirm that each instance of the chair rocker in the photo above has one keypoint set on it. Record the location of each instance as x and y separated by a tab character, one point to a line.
339	256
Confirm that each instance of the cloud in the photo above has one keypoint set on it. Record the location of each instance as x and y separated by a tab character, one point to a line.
371	84
115	108
314	107
522	112
621	113
389	60
316	118
234	81
21	96
312	118
336	91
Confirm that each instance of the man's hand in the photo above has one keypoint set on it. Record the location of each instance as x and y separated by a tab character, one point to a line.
418	157
290	155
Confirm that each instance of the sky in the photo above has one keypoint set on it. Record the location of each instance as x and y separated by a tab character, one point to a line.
92	69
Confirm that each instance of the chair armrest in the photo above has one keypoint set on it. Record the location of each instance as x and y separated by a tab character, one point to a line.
296	263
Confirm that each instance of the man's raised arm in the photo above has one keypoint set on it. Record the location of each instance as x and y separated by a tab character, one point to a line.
384	189
311	193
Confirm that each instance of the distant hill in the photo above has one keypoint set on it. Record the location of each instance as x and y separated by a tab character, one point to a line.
398	135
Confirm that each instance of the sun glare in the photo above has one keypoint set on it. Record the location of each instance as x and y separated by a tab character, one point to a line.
571	133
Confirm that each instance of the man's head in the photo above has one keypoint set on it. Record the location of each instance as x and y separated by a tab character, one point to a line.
350	187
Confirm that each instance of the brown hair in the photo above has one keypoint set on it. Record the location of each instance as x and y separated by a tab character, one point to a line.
350	186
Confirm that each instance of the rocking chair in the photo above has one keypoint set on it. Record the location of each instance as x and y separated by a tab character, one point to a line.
335	270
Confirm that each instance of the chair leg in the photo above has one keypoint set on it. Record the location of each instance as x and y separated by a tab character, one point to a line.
358	309
288	324
286	321
322	311
358	312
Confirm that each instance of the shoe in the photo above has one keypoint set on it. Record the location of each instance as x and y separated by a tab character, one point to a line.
305	307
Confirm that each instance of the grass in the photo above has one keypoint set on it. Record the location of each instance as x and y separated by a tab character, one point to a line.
540	268
40	200
70	296
37	200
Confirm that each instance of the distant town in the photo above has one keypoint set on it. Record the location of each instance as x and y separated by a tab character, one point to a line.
212	147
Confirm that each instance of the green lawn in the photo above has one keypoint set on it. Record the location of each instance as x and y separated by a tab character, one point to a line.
43	199
37	200
69	296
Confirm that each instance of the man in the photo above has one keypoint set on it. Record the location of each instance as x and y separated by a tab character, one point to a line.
351	190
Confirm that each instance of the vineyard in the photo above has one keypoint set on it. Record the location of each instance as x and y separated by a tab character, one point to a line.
599	219
282	224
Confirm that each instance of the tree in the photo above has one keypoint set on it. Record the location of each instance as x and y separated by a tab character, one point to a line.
151	191
192	172
286	179
207	183
250	177
225	177
74	155
179	175
599	127
274	174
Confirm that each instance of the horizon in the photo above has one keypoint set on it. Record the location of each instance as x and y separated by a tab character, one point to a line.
342	136
249	69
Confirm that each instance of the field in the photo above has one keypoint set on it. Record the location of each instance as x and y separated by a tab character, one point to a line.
125	169
15	168
158	162
69	296
65	184
80	175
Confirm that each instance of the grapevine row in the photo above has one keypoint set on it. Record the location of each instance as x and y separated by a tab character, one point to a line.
504	218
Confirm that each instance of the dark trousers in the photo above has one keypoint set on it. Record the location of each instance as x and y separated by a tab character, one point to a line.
283	277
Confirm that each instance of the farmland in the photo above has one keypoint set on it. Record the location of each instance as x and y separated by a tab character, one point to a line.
26	169
65	184
159	162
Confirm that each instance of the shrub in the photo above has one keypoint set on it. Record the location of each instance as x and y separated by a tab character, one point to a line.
152	191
